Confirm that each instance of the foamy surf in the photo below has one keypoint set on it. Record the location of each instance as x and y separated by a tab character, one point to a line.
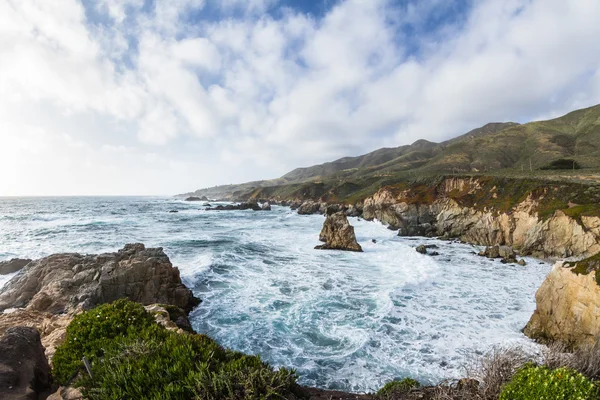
344	320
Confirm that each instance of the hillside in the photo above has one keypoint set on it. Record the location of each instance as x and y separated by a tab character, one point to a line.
537	148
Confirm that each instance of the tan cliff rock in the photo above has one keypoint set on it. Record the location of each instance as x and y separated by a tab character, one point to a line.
521	227
567	308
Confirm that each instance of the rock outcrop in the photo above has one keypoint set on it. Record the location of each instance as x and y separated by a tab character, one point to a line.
338	234
434	211
568	305
64	283
242	206
24	370
14	265
196	198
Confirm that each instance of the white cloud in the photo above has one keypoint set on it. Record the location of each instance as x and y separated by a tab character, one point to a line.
160	93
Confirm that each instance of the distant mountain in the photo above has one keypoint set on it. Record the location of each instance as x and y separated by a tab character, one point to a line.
493	148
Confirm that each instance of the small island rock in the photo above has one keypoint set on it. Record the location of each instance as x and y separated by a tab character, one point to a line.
338	234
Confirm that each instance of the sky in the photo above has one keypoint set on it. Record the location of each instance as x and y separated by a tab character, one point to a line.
141	97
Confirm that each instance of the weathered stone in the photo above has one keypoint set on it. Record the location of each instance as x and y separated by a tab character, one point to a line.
24	370
14	265
567	308
312	207
421	249
266	206
521	227
522	262
139	274
242	206
338	234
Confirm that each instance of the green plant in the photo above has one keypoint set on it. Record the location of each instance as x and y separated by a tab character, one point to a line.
542	383
90	332
147	361
396	387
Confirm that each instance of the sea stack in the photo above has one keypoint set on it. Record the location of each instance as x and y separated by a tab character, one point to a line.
338	234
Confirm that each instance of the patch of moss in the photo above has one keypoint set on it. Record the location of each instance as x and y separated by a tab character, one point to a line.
397	387
587	266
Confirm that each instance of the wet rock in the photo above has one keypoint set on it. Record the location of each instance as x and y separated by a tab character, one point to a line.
64	283
173	211
24	370
14	265
232	207
266	206
434	253
338	234
421	249
522	262
312	207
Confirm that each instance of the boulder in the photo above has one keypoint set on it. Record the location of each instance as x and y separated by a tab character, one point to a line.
65	283
567	305
421	249
522	262
24	370
266	206
242	206
312	207
338	234
14	265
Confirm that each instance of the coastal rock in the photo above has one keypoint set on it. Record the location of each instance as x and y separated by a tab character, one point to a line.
568	305
436	213
312	207
242	206
64	283
194	198
338	234
14	265
24	370
266	206
421	249
52	328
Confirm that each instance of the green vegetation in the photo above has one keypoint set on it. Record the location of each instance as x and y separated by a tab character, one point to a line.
132	357
587	266
562	163
395	388
542	383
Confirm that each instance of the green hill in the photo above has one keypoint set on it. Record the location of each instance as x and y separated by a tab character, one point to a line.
540	149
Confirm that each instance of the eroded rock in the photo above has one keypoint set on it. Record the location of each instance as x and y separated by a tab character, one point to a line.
567	306
64	283
338	234
24	370
14	265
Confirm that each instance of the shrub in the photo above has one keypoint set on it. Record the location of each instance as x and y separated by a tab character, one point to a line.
541	383
397	387
146	361
88	334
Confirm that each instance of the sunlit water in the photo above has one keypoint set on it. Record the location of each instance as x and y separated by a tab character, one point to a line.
343	320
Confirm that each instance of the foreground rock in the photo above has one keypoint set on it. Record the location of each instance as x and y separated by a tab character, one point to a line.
14	265
338	234
24	370
65	283
567	305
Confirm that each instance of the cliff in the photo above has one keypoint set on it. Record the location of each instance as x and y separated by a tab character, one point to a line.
537	218
568	305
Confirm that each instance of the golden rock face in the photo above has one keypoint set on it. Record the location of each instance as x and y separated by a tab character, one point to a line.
568	308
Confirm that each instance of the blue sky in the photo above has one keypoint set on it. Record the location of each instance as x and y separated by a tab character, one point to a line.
161	97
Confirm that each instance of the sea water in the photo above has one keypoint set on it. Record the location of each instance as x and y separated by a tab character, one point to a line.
343	320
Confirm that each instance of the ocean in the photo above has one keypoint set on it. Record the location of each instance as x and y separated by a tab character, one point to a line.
342	320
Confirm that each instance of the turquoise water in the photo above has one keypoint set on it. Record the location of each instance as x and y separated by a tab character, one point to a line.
349	321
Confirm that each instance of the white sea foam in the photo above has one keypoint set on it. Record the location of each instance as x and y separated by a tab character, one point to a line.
344	320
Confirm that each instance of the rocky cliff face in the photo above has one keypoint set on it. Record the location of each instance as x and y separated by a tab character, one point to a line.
568	305
64	283
465	208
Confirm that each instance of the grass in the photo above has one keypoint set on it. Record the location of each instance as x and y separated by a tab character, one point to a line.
587	266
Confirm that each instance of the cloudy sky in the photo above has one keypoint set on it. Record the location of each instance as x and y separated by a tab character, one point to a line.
167	96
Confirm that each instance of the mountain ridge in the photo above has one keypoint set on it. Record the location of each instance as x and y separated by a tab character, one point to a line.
496	147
